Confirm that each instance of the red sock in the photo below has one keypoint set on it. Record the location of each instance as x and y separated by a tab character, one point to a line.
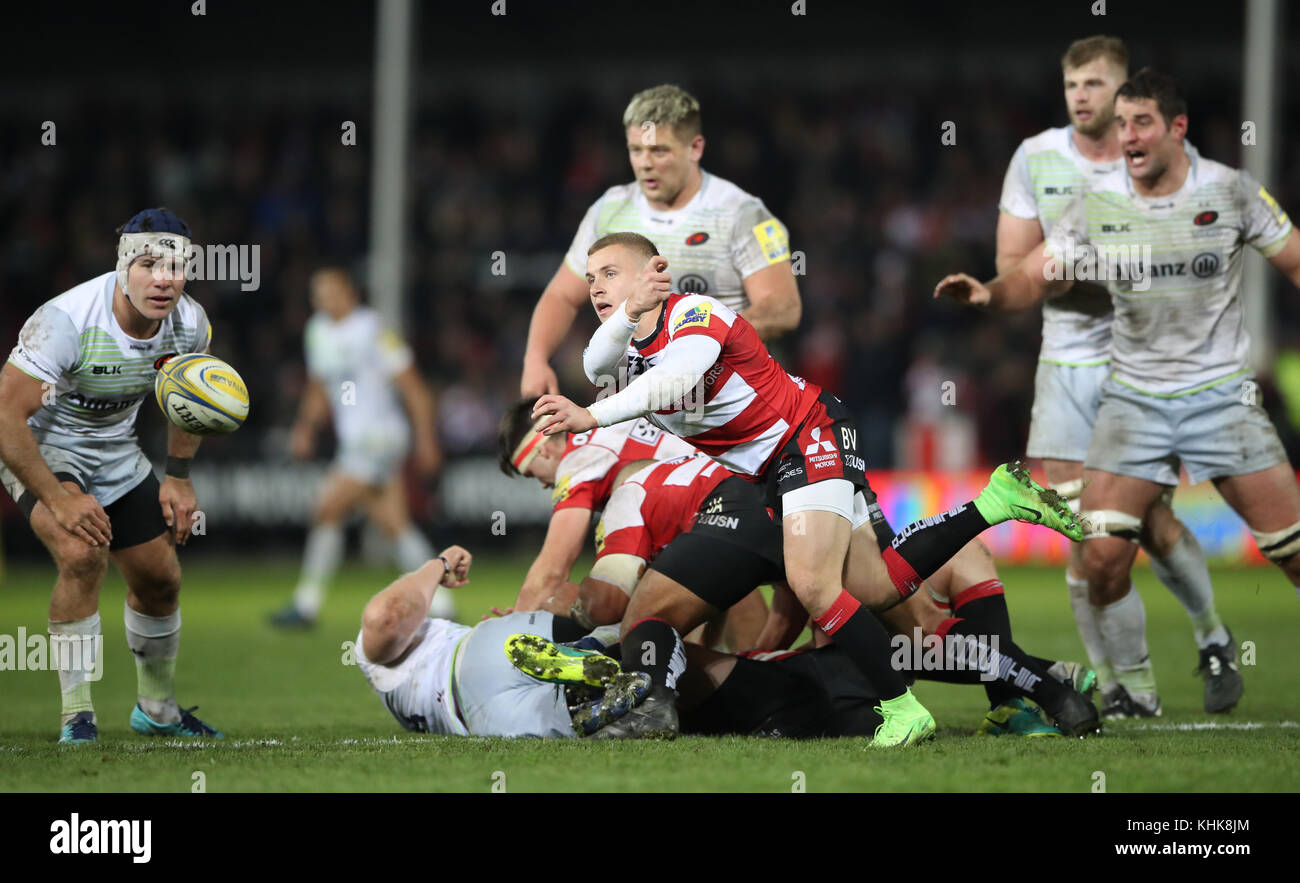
901	574
838	613
977	591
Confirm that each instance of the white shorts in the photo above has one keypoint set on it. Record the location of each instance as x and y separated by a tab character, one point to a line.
106	468
497	699
372	459
1065	409
831	495
1214	432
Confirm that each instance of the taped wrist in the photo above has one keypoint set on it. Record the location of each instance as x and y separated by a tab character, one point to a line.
178	467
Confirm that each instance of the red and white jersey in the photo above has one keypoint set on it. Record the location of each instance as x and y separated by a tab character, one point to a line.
592	460
656	504
750	406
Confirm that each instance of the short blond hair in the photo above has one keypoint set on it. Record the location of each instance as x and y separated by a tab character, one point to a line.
666	105
1080	52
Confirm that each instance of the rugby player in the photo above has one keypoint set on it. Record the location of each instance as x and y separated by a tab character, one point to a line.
722	241
1167	236
702	373
1046	173
360	374
69	394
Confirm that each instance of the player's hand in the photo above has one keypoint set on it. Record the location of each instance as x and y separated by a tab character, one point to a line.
539	379
565	415
964	289
301	441
178	506
80	514
653	285
458	562
497	611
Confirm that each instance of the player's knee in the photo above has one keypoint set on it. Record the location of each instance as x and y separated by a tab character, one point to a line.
1281	547
81	562
599	606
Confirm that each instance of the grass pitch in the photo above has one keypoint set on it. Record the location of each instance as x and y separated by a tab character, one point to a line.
297	719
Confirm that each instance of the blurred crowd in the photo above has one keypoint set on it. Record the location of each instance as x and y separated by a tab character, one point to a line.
877	203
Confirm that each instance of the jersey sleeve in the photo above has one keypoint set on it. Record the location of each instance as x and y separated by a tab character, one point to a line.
48	346
1070	232
758	239
311	345
698	314
1265	226
579	477
576	257
391	352
1018	188
622	529
202	340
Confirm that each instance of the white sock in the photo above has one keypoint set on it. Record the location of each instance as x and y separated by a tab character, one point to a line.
76	657
155	642
412	552
1085	619
320	559
1184	572
1123	628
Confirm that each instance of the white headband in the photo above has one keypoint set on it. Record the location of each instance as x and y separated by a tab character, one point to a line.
163	245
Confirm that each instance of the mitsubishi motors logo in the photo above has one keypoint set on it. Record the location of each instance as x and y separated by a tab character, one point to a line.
825	446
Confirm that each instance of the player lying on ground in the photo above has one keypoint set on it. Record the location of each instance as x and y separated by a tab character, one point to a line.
686	538
1169	231
721	240
69	395
511	676
360	374
581	470
1045	174
702	373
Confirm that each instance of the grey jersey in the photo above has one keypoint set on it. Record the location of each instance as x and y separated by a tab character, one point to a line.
98	375
1173	267
713	243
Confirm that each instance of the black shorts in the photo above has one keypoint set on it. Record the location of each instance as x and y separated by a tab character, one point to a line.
136	516
732	547
825	446
814	694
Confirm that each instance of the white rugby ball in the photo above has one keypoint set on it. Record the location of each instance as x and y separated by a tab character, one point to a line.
201	394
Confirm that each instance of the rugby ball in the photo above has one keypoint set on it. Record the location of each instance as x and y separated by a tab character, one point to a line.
200	394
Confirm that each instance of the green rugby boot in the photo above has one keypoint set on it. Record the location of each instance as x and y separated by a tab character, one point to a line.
1017	718
906	722
1011	495
559	664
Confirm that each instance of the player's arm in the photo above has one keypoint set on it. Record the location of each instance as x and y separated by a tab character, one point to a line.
608	346
565	537
21	396
1025	285
313	411
1287	260
176	495
1016	239
774	304
552	318
418	400
393	616
602	597
785	621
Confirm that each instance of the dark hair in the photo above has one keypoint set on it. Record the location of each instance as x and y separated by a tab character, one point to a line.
634	241
1087	49
516	423
1164	89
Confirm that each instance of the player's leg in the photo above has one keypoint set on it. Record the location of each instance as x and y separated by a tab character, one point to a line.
411	549
340	494
744	622
1269	502
1113	508
143	552
74	617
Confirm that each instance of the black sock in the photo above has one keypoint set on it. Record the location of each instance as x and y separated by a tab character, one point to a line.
654	647
1014	670
924	546
865	641
984	606
565	630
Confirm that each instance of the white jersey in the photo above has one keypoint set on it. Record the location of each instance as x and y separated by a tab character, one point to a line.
99	374
1173	267
1046	173
418	691
713	243
356	359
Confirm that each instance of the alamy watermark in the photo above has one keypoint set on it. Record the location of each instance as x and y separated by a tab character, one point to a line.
41	652
219	263
1083	262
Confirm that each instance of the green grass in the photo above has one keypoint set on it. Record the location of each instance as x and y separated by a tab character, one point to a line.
297	719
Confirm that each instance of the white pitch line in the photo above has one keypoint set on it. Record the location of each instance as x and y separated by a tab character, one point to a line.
1218	725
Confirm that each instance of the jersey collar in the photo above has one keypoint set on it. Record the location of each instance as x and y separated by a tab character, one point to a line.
659	327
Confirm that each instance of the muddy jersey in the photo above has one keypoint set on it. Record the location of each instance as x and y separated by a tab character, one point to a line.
1173	267
98	375
417	691
592	460
714	242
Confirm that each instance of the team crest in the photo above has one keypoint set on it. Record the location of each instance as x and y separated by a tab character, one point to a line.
696	315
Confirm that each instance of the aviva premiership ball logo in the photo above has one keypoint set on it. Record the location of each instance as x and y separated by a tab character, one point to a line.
696	315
